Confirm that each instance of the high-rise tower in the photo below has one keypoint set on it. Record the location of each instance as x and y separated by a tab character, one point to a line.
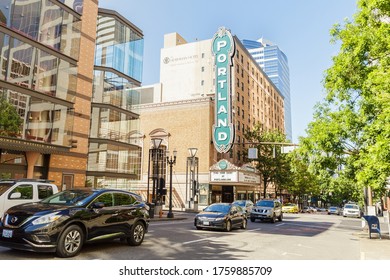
275	64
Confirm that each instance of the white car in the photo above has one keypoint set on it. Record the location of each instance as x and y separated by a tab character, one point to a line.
352	210
18	191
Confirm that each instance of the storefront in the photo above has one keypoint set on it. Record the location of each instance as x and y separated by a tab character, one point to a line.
229	182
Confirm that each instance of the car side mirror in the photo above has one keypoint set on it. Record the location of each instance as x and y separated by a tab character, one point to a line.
98	205
15	195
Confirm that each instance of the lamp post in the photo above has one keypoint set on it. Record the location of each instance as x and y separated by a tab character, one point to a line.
154	154
192	174
171	161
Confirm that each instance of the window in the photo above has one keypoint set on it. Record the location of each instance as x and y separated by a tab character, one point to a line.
26	192
106	199
202	68
122	199
44	191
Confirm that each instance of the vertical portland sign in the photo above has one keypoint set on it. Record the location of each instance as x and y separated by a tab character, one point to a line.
223	52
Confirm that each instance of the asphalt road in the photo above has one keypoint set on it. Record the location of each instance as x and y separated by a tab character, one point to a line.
297	237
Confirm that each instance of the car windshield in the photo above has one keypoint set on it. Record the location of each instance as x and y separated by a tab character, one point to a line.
349	206
69	197
223	208
332	208
239	203
265	203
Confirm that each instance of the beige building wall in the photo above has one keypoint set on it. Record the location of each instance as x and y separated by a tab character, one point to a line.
182	125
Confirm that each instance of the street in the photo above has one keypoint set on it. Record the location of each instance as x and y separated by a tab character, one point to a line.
297	237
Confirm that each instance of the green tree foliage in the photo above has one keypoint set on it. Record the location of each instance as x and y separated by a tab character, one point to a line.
301	182
272	164
349	138
10	120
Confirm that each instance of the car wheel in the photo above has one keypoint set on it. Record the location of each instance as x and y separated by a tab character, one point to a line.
228	226
137	234
70	242
198	227
244	224
253	220
280	218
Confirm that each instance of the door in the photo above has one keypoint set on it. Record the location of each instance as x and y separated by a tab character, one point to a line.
227	194
23	193
67	181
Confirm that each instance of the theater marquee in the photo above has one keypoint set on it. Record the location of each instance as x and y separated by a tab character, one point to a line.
223	51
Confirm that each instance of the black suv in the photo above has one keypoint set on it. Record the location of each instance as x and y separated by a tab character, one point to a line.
62	223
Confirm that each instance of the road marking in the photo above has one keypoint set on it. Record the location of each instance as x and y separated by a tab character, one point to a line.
286	253
278	225
256	229
198	240
303	246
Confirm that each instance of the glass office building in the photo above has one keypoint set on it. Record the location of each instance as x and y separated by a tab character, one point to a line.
114	157
275	64
39	53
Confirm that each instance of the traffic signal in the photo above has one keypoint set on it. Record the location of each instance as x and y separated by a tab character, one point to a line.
194	188
161	190
73	143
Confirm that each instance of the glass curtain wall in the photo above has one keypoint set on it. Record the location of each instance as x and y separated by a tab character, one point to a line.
28	66
114	157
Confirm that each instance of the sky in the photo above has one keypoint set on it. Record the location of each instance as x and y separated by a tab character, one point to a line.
300	28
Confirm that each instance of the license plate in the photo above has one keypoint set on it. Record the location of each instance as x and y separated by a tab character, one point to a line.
206	223
7	233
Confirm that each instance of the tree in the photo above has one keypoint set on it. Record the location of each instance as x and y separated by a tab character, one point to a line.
271	163
302	182
10	120
350	133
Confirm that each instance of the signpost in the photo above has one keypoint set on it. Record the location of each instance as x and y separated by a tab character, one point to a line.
223	51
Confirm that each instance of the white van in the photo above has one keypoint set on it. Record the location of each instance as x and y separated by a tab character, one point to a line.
15	192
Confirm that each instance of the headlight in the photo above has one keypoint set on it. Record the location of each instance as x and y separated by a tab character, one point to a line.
47	219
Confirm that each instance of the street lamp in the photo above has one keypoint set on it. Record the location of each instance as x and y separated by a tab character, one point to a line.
192	176
171	161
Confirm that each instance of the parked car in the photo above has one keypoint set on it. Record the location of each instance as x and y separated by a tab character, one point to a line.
334	210
308	209
221	216
352	210
247	205
62	223
267	209
290	208
18	191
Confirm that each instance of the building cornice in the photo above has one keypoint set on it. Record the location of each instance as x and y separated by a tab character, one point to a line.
174	103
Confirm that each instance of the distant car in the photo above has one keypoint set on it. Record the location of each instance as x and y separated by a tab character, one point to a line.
246	205
290	208
334	210
352	210
18	191
224	216
267	209
62	223
308	209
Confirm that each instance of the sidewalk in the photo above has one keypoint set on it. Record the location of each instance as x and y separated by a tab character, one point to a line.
177	215
384	230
